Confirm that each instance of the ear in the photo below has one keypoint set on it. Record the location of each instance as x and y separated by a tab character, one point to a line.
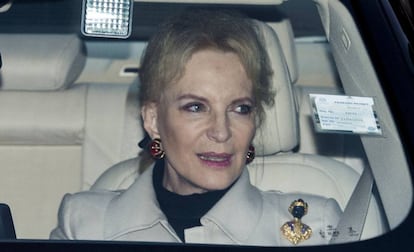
149	117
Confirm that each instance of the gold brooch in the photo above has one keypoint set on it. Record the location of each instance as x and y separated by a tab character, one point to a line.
296	231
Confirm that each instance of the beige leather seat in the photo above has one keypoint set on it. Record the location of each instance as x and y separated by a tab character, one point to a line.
41	126
54	132
277	166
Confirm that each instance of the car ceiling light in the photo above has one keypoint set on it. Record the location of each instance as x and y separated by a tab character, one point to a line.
107	18
5	5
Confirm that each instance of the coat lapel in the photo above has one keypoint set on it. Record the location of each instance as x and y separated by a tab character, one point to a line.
239	211
134	209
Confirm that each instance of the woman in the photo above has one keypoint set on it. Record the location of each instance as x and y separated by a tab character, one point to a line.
205	81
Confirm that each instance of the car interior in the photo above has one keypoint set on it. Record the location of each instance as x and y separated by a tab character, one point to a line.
70	117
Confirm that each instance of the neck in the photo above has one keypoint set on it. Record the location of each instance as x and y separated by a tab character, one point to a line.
175	183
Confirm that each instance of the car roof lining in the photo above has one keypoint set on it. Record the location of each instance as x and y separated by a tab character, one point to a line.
62	17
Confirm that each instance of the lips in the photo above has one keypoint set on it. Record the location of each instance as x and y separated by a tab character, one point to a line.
215	159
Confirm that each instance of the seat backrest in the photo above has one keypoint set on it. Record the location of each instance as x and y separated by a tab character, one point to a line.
271	137
276	167
112	128
41	127
53	126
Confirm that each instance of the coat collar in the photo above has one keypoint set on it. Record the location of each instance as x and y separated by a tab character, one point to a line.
124	213
239	211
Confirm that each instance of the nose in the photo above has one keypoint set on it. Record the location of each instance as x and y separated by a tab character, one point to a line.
219	128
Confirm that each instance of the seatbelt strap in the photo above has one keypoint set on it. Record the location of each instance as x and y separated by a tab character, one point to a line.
350	225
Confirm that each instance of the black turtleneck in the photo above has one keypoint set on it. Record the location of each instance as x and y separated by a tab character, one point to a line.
183	211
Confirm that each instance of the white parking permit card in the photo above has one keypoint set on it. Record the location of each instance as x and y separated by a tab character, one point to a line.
345	114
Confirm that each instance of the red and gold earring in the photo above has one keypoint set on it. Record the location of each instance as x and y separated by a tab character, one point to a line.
250	154
155	149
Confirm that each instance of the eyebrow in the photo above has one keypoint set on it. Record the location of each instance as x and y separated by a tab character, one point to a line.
191	96
200	98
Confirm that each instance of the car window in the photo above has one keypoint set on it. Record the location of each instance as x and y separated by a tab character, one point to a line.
60	137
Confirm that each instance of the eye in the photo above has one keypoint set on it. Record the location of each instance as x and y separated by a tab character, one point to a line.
244	109
194	107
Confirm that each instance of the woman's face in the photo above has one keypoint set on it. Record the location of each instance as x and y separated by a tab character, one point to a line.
206	122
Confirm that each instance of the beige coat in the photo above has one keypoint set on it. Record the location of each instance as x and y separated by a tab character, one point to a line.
245	215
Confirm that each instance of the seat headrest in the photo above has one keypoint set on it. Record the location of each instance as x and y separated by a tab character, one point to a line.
279	131
286	37
40	62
